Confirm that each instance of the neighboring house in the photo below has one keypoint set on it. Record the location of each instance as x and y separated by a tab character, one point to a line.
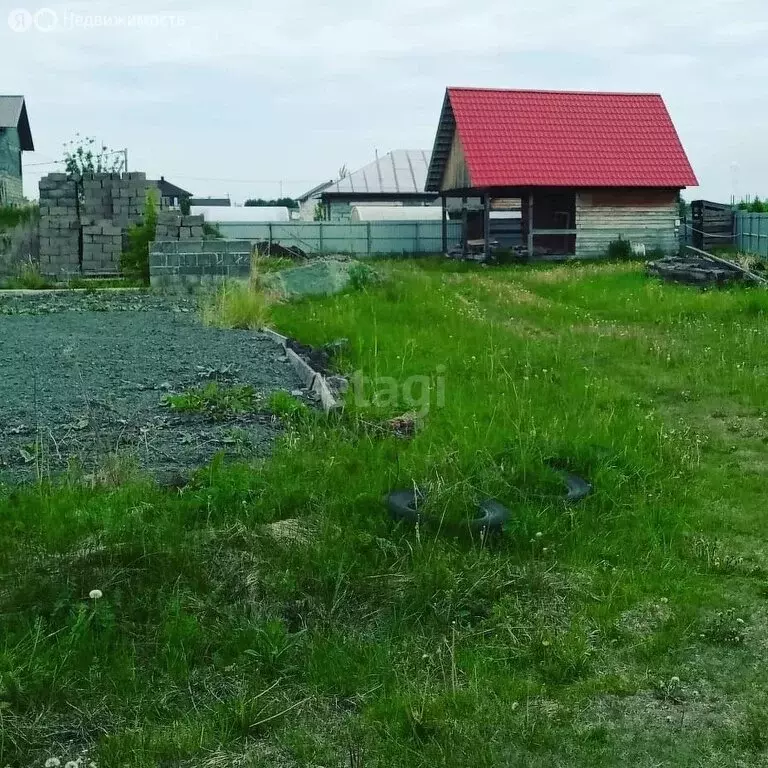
212	202
15	138
309	201
589	168
171	195
397	178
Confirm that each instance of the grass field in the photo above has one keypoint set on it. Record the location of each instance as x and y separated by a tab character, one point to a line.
272	615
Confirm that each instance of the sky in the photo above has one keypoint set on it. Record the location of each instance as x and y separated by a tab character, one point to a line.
256	99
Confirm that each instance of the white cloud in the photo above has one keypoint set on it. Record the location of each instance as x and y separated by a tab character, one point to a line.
234	90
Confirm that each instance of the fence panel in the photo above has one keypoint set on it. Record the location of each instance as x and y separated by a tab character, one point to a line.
752	233
359	239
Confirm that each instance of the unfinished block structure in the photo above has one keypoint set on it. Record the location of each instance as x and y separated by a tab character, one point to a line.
172	225
59	225
83	223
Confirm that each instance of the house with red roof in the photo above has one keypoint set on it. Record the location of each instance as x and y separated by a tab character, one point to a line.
587	168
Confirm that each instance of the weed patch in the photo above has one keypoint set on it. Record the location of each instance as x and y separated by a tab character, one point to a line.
236	305
215	400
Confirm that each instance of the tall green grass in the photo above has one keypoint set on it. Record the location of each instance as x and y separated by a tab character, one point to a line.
273	615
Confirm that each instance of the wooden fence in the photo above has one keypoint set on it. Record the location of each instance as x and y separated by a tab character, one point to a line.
712	225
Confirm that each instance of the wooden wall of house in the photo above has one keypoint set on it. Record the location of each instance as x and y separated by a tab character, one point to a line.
647	216
456	171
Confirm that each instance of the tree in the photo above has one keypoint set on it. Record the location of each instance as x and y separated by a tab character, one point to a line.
135	261
83	155
281	202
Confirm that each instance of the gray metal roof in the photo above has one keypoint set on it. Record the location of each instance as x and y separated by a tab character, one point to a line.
403	171
315	191
13	114
170	190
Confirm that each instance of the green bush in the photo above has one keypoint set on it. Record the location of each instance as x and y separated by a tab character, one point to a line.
135	261
211	231
620	250
12	216
361	276
756	205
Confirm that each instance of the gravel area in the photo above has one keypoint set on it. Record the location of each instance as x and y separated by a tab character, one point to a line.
84	377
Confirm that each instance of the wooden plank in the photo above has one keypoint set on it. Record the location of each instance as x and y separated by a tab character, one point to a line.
530	224
728	264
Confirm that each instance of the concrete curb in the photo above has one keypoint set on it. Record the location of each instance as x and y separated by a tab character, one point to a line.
313	380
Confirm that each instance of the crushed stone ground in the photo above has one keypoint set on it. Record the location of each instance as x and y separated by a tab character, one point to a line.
83	377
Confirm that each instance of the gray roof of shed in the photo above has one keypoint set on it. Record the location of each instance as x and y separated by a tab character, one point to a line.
403	171
13	114
315	191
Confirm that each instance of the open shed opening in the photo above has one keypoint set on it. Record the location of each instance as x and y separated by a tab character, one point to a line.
550	223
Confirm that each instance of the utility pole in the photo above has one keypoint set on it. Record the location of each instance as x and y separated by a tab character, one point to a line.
125	161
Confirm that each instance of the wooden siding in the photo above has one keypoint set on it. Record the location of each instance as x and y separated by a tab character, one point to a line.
456	170
648	217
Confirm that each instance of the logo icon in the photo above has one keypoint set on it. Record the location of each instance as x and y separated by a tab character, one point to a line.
45	20
20	20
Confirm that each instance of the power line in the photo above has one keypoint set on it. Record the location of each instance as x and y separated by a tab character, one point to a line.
243	181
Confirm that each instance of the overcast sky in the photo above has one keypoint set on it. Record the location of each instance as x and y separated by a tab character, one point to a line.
225	97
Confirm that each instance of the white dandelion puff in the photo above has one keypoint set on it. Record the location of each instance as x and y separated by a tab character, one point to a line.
94	594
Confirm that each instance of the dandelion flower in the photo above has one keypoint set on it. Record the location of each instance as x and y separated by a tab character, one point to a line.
72	764
94	594
539	535
52	762
675	681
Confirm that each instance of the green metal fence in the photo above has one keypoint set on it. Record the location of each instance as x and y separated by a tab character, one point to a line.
752	233
363	239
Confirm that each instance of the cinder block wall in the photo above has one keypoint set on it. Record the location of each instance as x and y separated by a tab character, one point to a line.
192	262
83	226
172	225
59	225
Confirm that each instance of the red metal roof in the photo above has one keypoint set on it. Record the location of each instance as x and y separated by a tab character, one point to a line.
561	139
